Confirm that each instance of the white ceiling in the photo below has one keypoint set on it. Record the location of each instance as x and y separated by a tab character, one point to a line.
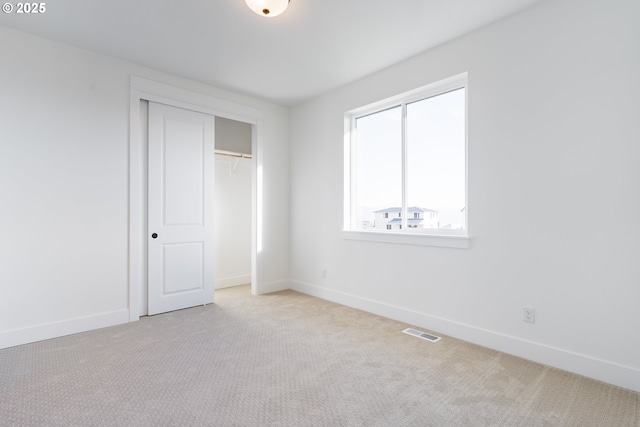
312	48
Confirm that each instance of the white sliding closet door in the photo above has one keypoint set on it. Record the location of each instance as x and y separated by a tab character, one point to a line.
181	190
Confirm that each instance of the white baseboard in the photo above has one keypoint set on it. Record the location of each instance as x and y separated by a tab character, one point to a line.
14	337
232	281
267	288
602	370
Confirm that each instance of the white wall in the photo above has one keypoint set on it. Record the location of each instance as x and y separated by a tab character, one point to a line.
554	142
232	135
64	129
232	213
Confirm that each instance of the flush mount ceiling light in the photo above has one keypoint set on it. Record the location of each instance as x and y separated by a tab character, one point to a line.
268	8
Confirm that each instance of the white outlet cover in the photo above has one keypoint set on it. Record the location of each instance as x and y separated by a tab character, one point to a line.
529	315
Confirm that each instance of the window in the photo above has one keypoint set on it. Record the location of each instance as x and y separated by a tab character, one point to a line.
407	156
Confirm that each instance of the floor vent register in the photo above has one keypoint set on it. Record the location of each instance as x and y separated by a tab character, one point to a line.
420	334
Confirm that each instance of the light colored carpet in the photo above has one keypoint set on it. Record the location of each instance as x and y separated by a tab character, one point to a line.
287	359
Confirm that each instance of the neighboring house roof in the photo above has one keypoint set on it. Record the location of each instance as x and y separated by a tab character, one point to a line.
412	209
411	221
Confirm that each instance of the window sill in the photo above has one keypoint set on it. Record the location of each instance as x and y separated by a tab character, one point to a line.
442	241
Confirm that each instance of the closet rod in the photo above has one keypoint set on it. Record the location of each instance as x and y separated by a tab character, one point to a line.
232	154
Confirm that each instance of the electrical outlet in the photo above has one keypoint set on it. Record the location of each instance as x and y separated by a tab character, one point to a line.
323	273
529	315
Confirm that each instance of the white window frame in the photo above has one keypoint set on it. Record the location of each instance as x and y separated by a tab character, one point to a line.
424	237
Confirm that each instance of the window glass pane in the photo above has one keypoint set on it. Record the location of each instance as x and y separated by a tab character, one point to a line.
436	160
378	169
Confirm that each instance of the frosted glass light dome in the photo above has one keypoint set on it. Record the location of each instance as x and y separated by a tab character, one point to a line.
268	8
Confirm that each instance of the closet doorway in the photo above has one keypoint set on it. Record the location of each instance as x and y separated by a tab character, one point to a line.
142	92
232	203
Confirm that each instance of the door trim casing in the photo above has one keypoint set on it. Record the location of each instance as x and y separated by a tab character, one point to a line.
144	89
